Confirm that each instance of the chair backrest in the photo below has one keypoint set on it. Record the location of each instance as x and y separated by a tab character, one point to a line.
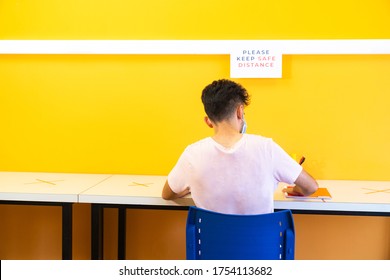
216	236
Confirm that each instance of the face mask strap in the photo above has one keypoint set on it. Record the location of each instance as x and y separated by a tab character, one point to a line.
243	130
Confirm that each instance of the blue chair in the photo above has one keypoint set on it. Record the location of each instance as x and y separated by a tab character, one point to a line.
216	236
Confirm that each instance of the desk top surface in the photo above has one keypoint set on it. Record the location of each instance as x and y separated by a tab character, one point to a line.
131	189
46	187
355	196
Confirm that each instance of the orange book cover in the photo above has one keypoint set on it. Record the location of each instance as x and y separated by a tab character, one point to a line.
321	193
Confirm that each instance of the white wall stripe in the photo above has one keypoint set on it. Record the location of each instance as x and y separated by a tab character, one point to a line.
188	47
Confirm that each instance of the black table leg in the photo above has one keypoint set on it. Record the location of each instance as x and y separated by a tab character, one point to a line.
67	228
97	231
121	233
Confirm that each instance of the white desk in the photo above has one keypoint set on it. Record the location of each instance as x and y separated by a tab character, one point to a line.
359	197
49	189
132	191
348	198
46	187
123	192
137	191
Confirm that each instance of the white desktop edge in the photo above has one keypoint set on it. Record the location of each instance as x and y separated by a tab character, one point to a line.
329	206
39	197
139	200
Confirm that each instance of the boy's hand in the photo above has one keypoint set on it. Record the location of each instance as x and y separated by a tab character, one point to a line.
292	191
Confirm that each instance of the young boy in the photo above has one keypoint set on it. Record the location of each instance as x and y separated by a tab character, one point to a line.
233	172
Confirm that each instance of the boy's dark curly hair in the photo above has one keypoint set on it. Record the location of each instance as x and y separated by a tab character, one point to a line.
221	98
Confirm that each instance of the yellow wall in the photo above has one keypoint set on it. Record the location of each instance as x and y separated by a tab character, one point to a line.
200	19
136	113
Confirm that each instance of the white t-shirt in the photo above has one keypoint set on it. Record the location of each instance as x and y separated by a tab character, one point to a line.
238	180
